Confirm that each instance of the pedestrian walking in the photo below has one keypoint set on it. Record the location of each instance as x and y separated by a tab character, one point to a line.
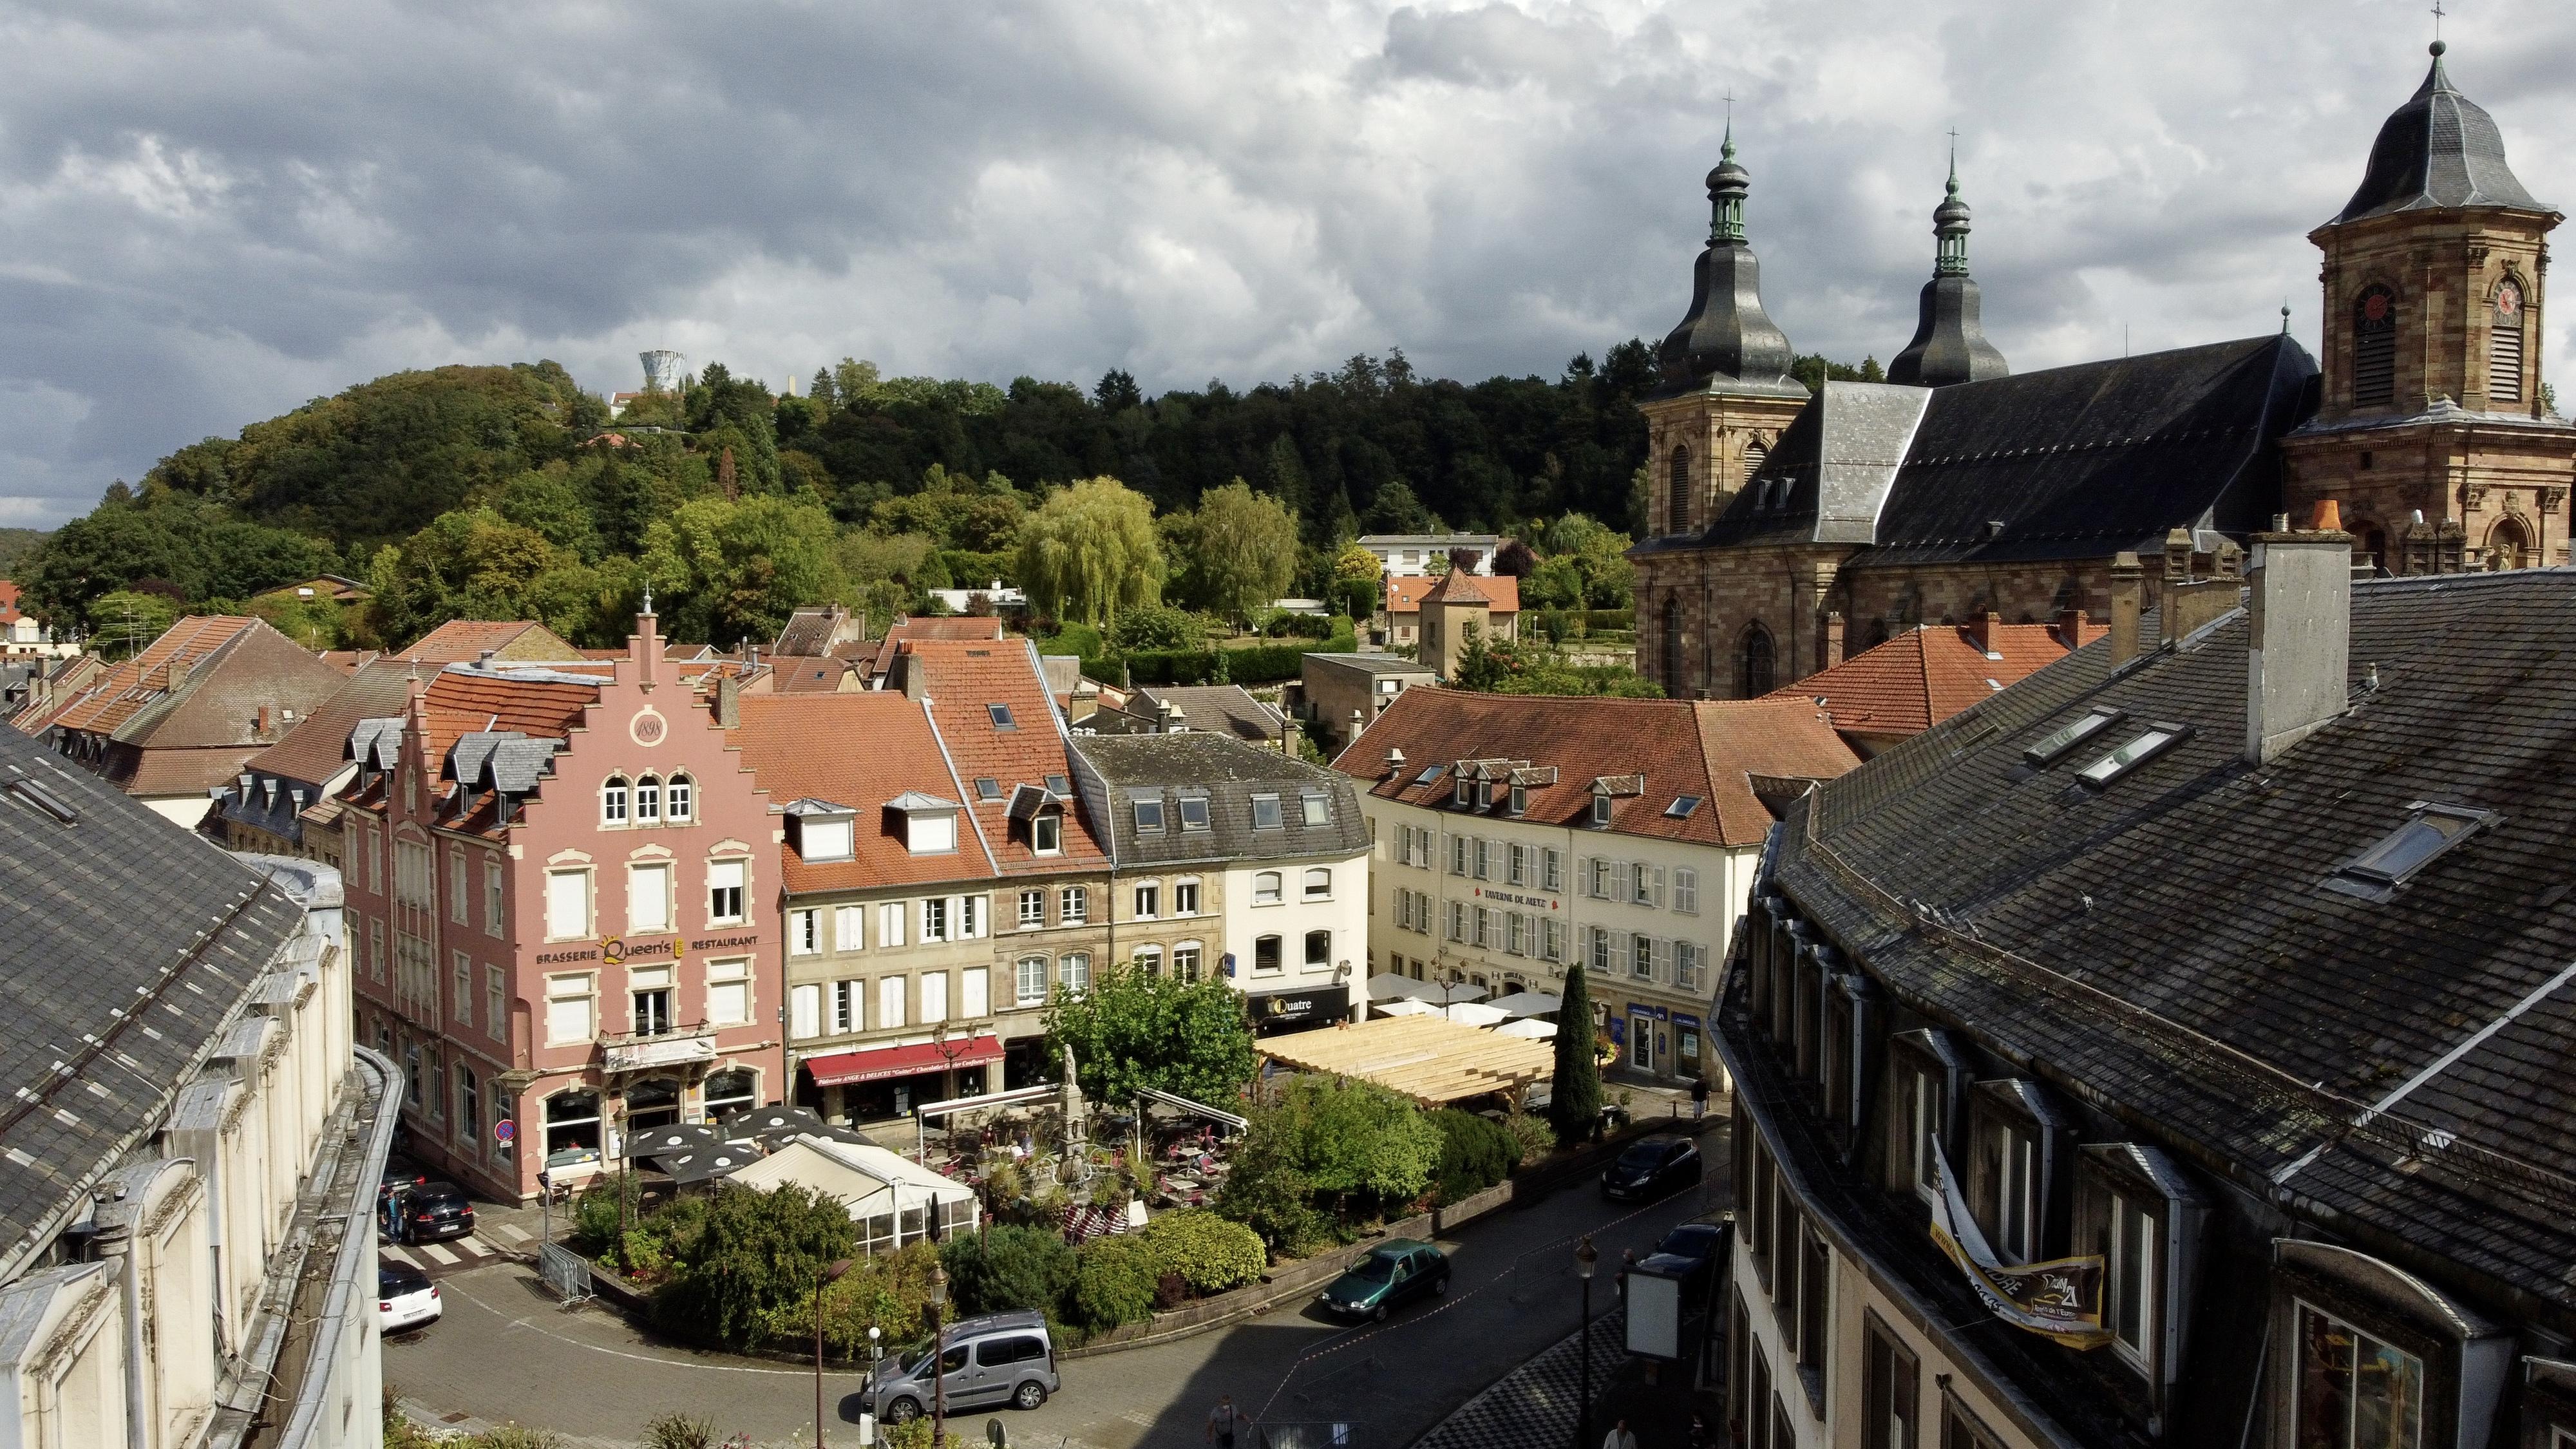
1699	1098
1619	1437
1225	1420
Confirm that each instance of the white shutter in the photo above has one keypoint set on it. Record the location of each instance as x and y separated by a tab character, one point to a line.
1623	881
975	993
849	927
1659	887
567	904
889	1001
890	924
1663	960
934	997
805	1011
974	917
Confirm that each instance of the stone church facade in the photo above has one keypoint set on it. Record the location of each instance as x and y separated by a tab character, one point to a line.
1787	530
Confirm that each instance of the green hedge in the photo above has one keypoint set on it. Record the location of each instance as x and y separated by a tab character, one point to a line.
1005	1268
1609	619
1113	1283
1210	1253
1260	664
1474	1154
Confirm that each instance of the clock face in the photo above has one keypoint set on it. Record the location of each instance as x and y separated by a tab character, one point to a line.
2509	301
2375	307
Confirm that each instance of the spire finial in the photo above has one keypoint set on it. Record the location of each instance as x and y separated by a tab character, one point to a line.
648	596
1726	148
1954	160
2285	316
1950	222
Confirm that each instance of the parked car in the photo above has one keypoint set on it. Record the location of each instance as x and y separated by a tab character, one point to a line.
1691	1251
1392	1274
1001	1358
405	1298
1652	1167
435	1210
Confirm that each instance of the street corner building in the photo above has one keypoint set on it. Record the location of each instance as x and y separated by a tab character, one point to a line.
2171	1049
191	1141
1515	834
1785	530
561	881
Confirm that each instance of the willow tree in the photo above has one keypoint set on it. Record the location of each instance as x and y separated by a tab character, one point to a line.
1091	550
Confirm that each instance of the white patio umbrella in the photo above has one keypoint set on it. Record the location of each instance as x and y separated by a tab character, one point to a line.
1528	1027
1403	1006
1475	1013
1528	1003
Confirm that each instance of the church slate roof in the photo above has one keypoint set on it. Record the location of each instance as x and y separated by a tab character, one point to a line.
2067	463
2439	149
2167	945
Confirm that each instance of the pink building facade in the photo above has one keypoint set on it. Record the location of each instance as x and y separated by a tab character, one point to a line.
561	888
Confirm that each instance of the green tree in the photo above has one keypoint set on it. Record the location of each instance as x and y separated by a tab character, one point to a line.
734	570
1352	1145
1574	1090
1157	626
1396	509
726	412
1135	1028
124	620
1474	1154
1089	551
1241	550
1113	1283
1211	1253
750	1272
1007	1267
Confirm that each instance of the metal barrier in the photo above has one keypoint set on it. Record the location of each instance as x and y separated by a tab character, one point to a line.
1307	1435
565	1271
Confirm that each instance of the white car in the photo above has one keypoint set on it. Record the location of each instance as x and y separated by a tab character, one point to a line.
405	1298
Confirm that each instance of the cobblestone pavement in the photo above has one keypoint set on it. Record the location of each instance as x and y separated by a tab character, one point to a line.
1533	1406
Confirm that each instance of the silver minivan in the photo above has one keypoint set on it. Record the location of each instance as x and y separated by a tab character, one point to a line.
1001	1358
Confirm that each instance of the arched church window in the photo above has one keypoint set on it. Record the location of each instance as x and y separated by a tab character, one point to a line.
1671	641
2374	347
2509	546
2504	346
1677	498
1757	665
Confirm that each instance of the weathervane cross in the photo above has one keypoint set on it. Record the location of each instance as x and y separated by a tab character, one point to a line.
2438	12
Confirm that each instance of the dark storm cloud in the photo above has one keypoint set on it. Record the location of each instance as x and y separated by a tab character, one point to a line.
210	213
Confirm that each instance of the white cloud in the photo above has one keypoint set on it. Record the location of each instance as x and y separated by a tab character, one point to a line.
211	214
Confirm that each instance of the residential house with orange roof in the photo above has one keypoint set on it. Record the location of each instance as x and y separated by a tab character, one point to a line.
559	882
975	628
1897	690
173	725
1517	835
285	799
1403	605
513	641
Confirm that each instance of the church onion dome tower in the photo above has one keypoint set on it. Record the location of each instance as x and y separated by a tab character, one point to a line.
2440	149
1727	343
1950	338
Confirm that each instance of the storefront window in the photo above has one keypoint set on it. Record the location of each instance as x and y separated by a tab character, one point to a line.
2354	1391
654	1102
572	1120
731	1091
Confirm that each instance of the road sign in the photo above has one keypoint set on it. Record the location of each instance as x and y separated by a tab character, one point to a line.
504	1130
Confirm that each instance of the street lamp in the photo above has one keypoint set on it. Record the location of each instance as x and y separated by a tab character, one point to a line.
1584	1259
938	1352
830	1274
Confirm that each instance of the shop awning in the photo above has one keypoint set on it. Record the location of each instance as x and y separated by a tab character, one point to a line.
876	1064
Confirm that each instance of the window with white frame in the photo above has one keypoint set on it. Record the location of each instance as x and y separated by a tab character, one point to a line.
1075	971
681	801
1516	937
648	801
1046	834
1484	859
1404	910
1457	855
612	801
1185	896
461	990
890	1002
567	905
376	950
1148	902
1552	869
2353	1389
1517	866
1073	905
1458	921
1148	959
971	922
1646	884
1601	945
934	919
458	897
805	931
1032	909
1551	938
849	1006
2129	1277
1641	957
1186	959
2005	1185
1685	890
648	899
729	992
571	1009
1029	980
1689	962
1319	884
1268	888
726	880
1484	926
849	928
1597	879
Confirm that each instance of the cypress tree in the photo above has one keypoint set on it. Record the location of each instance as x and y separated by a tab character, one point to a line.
1574	1104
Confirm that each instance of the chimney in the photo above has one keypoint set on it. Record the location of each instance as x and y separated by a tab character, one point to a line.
2128	598
1982	634
646	650
1394	758
1358	723
907	667
1167	717
728	702
1832	640
2299	639
2070	628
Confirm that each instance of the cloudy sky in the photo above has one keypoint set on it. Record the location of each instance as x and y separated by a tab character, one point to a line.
210	212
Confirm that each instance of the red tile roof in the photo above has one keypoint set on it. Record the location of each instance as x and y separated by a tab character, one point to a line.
958	626
462	641
803	747
1927	674
1707	748
314	750
963	679
462	701
1404	593
130	686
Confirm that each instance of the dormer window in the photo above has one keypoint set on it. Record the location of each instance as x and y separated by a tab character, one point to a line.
1520	800
929	823
1484	794
1194	812
1601	810
1460	792
822	831
612	800
2157	739
2054	746
2377	873
1046	833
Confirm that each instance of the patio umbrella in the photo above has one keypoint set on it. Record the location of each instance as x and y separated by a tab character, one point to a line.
1404	1006
1528	1003
1475	1013
678	1137
704	1164
1528	1027
772	1122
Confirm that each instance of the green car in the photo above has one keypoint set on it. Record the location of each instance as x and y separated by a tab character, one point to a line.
1392	1272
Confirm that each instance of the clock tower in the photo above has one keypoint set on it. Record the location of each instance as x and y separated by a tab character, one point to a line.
2432	428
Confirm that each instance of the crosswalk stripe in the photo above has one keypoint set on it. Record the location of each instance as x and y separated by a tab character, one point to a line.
515	1233
437	1254
399	1255
474	1247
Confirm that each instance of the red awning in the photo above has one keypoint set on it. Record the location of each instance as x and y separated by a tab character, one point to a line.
878	1063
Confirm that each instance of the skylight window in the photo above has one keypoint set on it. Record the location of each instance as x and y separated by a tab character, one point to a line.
1001	714
2157	739
1431	774
987	788
1149	814
2058	743
1265	813
1318	810
1194	812
1682	807
2376	873
1059	785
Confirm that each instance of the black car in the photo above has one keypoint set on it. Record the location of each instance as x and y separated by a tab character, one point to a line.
1691	1251
1652	1167
435	1210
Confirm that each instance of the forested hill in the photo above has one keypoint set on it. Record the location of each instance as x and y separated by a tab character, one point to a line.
508	490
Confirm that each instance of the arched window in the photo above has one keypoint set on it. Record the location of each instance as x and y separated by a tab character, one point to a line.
679	800
1677	499
1756	453
572	1120
2374	347
1669	643
653	1102
734	1090
2509	545
648	801
1149	959
1756	663
612	801
1319	884
2504	346
1266	888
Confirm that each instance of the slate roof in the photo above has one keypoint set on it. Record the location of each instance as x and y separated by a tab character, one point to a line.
315	749
805	747
1118	770
1925	675
2439	149
1707	748
1377	663
1227	709
129	946
2164	947
2065	463
1502	593
812	633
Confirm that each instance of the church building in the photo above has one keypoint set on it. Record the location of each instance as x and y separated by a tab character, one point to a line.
1788	529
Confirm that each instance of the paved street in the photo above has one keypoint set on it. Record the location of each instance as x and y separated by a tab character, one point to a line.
506	1352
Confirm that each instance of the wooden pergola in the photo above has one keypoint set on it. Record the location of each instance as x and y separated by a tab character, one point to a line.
1430	1059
